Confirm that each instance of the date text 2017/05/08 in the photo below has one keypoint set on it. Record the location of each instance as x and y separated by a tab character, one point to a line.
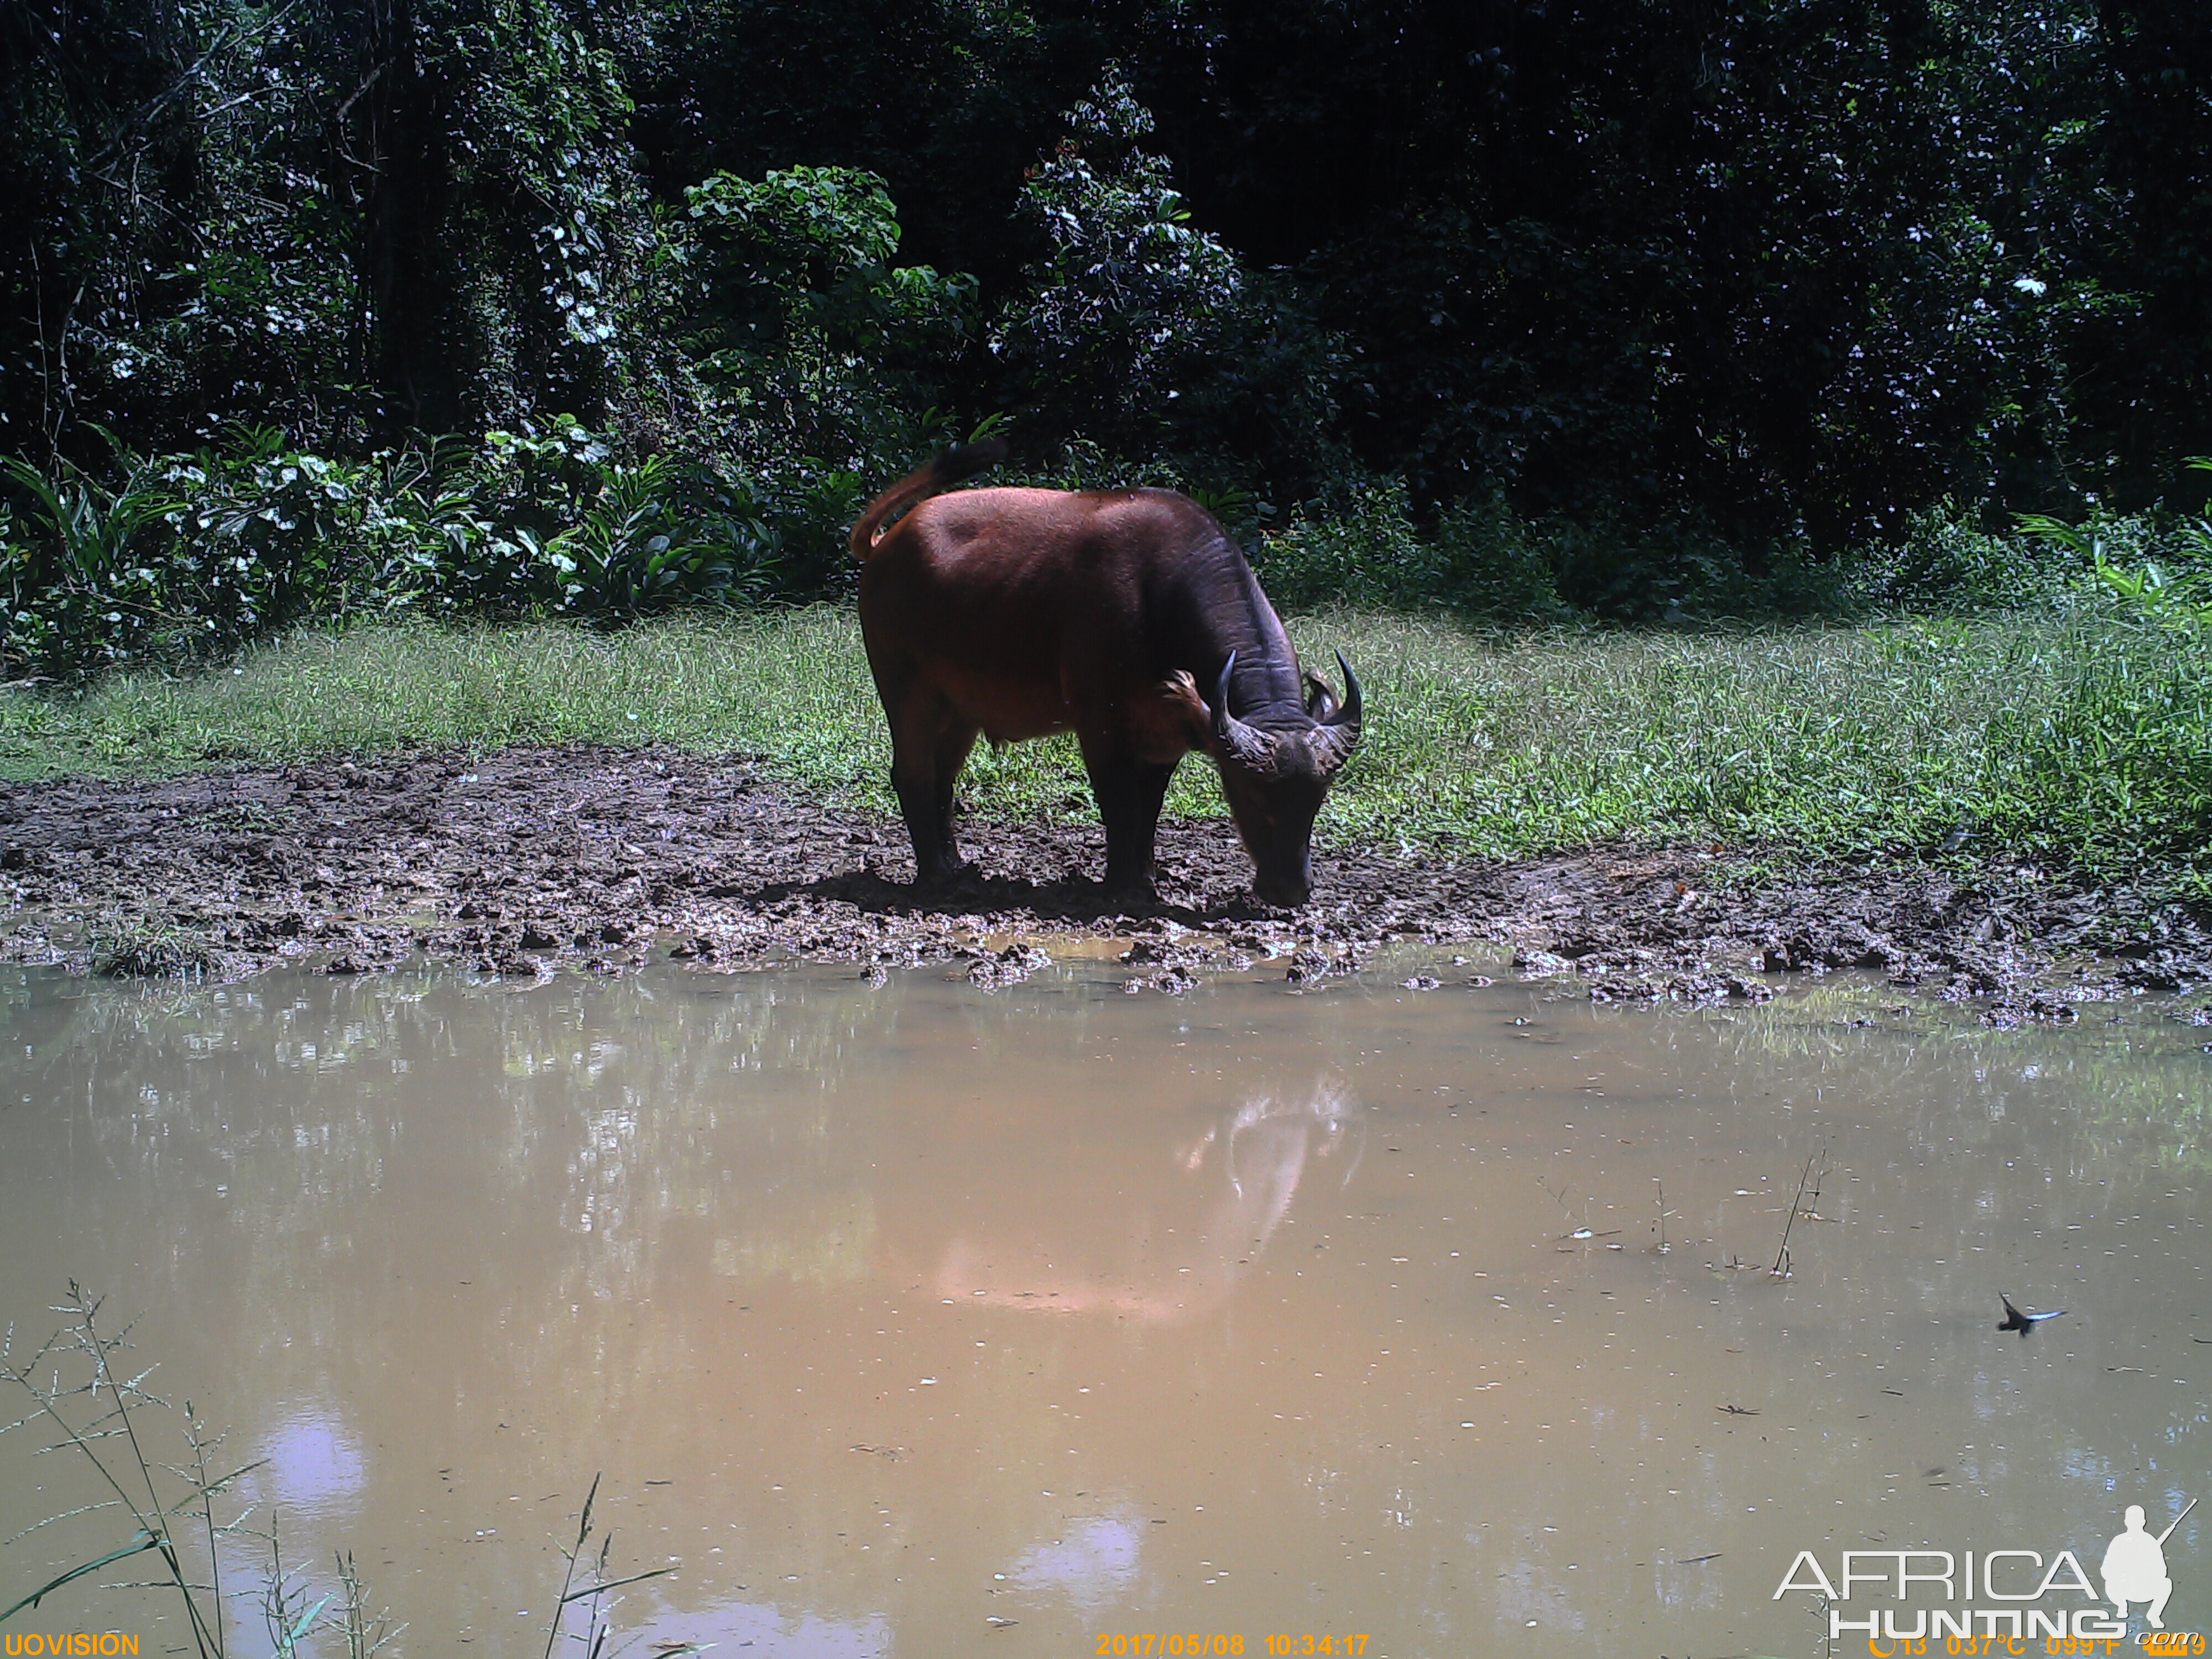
1217	1645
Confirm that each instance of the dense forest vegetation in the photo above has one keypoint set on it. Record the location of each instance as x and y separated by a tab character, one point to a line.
600	305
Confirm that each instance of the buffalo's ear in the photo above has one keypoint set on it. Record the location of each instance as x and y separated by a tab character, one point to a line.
1337	734
1321	701
1173	721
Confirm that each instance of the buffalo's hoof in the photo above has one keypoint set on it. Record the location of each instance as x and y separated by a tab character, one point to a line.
1131	893
946	878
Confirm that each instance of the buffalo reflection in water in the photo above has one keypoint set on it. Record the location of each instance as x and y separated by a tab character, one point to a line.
1143	1232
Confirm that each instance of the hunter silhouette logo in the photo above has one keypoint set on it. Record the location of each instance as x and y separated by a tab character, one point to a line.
2013	1594
2134	1566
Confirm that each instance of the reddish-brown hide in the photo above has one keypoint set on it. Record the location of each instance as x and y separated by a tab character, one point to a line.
1013	613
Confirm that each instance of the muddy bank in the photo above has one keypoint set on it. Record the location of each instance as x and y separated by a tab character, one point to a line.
532	860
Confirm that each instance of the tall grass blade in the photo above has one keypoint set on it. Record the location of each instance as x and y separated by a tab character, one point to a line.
144	1541
582	1591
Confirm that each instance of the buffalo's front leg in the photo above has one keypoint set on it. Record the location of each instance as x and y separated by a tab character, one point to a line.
1129	793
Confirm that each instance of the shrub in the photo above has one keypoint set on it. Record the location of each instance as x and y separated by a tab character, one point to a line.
815	351
180	556
1131	303
1947	561
555	523
1360	546
1499	566
1357	547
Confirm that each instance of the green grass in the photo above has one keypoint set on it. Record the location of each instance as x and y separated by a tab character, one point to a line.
2083	738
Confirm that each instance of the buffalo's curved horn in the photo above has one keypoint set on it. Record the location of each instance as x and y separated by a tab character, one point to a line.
1349	714
1234	736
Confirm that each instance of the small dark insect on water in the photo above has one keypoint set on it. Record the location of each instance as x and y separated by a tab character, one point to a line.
2014	1319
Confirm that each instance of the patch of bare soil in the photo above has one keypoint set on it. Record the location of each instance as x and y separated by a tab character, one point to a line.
535	860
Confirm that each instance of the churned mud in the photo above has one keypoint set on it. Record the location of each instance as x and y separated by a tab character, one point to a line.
531	861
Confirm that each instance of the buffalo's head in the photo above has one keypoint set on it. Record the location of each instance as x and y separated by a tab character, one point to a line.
1276	777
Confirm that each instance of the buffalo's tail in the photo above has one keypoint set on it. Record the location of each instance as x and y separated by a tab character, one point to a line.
942	473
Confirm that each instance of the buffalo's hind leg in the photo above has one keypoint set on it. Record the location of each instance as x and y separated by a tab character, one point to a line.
930	741
1129	793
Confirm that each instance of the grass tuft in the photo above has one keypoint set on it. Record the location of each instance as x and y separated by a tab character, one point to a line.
119	946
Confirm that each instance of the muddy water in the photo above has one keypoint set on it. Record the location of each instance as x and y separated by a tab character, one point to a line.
914	1320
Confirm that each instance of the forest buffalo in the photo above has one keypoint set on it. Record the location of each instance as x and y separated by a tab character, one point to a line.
1013	613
